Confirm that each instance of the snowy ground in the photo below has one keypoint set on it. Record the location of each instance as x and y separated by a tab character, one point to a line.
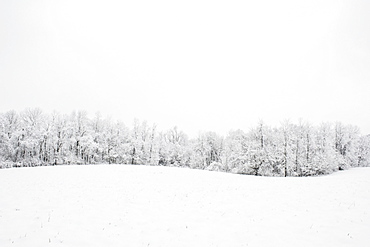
118	205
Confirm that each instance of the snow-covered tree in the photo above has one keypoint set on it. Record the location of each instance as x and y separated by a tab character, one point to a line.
364	151
32	138
174	148
208	148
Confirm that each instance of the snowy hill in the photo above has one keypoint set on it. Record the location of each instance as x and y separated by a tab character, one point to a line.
119	205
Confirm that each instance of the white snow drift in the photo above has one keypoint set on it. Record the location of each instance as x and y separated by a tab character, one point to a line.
119	205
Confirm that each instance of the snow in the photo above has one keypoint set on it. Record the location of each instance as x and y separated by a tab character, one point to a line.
120	205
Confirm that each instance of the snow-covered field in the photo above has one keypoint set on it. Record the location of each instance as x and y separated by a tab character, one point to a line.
119	205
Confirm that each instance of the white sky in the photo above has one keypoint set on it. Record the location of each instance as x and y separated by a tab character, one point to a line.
200	65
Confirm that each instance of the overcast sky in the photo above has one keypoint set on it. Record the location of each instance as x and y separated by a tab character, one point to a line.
200	65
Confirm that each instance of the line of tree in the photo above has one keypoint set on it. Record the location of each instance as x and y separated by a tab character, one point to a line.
32	138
